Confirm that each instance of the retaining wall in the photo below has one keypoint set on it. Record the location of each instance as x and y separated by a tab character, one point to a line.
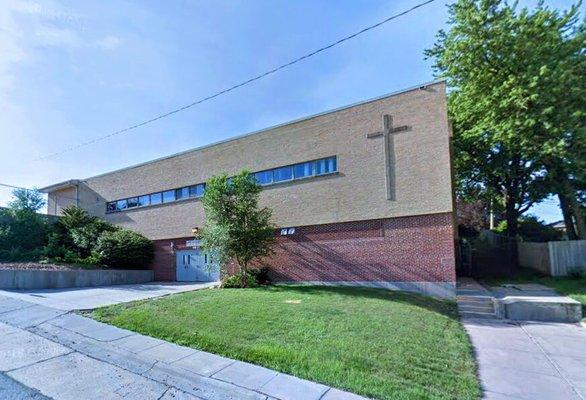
41	279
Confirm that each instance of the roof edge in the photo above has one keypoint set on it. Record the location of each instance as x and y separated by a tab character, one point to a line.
59	186
390	94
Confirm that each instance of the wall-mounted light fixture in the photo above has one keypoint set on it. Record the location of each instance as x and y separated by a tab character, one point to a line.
195	231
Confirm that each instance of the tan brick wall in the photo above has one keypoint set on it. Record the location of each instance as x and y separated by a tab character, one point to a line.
421	170
60	199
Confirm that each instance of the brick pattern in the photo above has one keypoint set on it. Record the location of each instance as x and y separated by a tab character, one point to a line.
420	167
405	249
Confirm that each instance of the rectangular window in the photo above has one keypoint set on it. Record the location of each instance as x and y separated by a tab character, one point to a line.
283	174
264	177
111	206
196	190
132	202
121	205
267	177
182	193
325	166
303	170
168	196
144	201
156	198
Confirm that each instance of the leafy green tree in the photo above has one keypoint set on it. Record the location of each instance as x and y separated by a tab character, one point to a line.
22	230
236	228
26	200
516	100
532	229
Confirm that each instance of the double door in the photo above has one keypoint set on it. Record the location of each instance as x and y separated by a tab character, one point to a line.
196	266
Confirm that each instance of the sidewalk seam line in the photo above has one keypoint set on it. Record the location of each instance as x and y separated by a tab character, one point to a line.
552	362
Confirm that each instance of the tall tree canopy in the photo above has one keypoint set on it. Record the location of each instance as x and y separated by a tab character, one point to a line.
517	100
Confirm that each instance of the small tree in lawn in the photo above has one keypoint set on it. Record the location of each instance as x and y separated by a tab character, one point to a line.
235	227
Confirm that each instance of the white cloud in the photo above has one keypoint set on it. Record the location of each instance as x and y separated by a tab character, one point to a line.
108	43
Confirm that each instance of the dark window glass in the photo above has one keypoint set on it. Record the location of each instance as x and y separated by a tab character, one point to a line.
156	198
264	177
325	166
168	196
196	190
303	170
110	207
283	174
182	193
144	201
133	202
121	205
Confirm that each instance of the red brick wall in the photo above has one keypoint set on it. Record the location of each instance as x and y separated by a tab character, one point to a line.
405	249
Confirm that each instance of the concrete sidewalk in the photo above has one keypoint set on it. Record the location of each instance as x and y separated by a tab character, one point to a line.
49	352
529	360
88	298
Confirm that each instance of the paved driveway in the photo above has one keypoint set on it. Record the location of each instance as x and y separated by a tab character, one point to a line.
94	297
529	360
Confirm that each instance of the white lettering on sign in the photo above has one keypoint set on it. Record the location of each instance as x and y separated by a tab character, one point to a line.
192	243
287	231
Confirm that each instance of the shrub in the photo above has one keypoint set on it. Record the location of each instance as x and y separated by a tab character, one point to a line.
124	249
85	237
238	281
577	273
79	231
261	275
54	249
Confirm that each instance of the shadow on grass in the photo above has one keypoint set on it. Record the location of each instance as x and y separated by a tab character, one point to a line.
444	307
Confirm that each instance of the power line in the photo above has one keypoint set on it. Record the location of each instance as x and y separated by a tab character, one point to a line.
272	71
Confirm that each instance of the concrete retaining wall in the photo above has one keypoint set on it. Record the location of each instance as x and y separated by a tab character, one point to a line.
39	279
553	258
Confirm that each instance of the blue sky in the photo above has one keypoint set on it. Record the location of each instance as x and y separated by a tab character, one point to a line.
71	71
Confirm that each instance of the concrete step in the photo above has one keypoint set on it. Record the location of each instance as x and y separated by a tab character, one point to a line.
472	294
468	314
489	309
476	301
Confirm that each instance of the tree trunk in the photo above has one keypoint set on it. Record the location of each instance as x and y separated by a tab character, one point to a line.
575	206
244	275
567	213
579	217
512	230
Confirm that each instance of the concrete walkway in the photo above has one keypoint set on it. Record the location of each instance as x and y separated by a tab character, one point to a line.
88	298
529	360
50	353
520	360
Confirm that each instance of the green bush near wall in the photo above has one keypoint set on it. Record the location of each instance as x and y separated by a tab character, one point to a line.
124	249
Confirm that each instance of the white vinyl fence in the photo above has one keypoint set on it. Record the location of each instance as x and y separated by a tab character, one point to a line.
553	258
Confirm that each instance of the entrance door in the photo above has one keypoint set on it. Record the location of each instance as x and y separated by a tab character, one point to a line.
196	266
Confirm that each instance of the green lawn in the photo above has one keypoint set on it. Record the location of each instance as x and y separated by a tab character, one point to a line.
572	287
382	344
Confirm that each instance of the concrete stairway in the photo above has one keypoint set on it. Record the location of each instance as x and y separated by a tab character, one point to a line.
474	301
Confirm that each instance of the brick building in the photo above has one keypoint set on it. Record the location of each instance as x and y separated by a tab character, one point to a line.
361	195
